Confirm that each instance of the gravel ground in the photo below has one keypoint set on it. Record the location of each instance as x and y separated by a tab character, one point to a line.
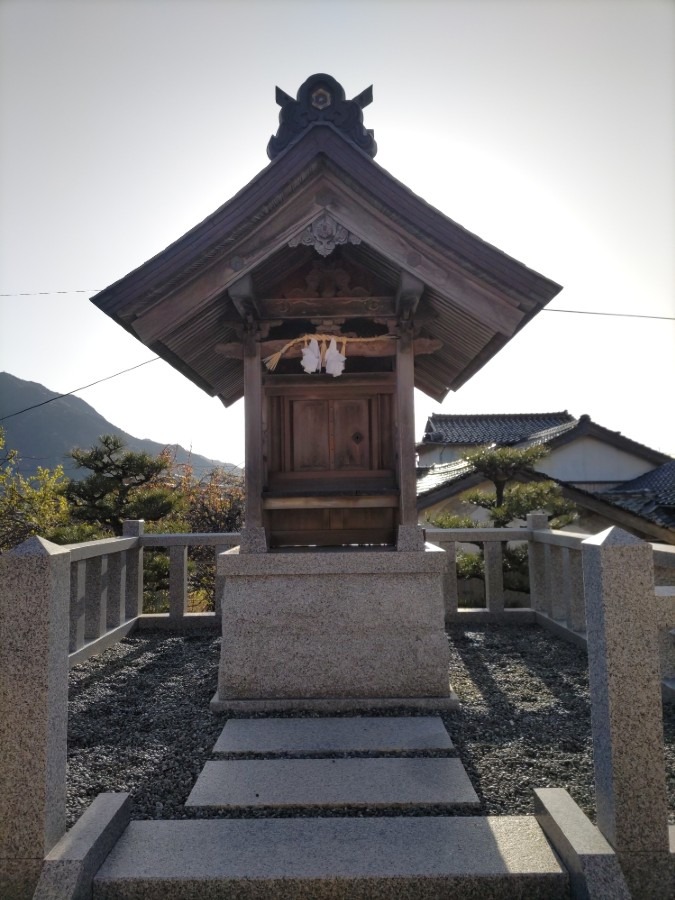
139	721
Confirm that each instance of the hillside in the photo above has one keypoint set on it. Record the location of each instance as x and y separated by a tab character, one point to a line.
45	436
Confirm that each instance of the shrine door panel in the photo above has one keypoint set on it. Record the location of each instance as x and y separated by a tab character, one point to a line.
310	436
350	434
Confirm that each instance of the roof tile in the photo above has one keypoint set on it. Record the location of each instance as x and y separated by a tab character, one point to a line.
492	429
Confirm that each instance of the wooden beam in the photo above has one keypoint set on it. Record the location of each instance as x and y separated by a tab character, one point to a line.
242	295
195	293
485	302
326	307
385	347
374	501
408	295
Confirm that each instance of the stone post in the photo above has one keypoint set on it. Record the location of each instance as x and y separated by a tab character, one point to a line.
96	597
219	584
134	578
556	583
494	576
623	663
117	576
34	633
450	587
178	558
536	553
78	594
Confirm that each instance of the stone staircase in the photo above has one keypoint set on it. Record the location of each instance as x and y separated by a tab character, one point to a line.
365	774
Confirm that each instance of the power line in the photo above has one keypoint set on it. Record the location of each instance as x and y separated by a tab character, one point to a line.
576	312
587	312
59	396
45	293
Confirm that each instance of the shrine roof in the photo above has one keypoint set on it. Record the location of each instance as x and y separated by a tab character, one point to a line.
179	303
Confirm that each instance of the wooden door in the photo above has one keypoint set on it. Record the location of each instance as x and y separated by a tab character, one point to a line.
330	477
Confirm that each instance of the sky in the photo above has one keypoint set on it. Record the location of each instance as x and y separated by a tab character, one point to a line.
546	127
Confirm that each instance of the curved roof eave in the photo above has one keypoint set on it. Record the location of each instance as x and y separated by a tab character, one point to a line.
321	149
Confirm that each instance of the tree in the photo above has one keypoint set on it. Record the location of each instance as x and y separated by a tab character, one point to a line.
503	464
508	502
28	505
520	499
123	485
214	503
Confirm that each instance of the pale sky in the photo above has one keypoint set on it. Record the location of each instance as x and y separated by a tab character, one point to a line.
546	127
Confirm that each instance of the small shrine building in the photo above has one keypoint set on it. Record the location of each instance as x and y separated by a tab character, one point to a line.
323	293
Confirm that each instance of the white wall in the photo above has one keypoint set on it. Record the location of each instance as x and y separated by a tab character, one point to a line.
438	453
588	459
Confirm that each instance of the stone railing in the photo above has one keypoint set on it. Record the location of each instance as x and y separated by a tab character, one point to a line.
555	572
625	612
556	581
106	587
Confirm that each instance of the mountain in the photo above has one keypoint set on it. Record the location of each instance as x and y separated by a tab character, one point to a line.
45	436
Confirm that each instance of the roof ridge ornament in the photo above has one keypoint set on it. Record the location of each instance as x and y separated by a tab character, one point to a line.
321	100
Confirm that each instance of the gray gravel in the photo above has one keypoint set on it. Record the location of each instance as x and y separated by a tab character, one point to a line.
139	721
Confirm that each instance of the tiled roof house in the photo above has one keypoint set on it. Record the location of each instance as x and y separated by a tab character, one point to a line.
613	479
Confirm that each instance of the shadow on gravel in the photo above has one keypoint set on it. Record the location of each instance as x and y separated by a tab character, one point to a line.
524	720
139	721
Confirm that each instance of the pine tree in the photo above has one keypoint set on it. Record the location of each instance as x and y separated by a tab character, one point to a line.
123	485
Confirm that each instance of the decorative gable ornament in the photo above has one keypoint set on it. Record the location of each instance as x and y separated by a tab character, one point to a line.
324	234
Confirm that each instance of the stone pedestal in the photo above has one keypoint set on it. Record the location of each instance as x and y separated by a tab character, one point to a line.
330	630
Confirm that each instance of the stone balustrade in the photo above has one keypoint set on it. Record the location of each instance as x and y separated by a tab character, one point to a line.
556	580
106	587
61	603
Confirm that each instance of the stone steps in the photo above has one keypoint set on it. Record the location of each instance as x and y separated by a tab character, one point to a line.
341	856
342	859
312	783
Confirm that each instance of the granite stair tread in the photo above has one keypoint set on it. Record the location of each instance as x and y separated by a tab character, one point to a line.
337	783
348	734
399	857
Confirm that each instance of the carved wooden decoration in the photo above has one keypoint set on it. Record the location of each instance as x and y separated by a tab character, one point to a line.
324	234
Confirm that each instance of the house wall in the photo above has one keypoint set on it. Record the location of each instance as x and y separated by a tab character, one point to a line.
441	453
588	462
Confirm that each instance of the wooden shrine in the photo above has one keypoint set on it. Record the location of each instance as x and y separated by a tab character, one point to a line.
324	292
328	357
324	262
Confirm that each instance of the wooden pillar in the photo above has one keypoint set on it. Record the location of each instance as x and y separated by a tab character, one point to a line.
253	427
405	414
410	535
